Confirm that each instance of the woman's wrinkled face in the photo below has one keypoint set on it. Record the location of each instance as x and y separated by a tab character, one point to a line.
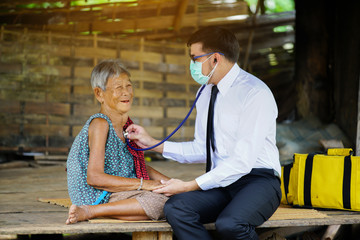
118	95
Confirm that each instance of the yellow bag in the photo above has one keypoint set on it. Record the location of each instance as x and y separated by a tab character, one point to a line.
329	180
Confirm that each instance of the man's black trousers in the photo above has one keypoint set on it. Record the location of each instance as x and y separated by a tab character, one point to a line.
236	209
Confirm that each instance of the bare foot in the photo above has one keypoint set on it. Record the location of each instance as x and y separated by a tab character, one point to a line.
78	214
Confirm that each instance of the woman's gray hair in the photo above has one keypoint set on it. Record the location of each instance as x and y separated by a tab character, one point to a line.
105	70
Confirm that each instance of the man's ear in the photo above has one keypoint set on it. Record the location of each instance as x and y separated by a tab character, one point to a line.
98	92
218	57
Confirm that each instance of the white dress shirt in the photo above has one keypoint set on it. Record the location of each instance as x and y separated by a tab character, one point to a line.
245	115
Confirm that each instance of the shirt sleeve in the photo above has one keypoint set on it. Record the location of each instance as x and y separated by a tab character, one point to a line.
184	152
257	121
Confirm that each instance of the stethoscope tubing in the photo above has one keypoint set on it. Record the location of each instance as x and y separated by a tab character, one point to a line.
173	132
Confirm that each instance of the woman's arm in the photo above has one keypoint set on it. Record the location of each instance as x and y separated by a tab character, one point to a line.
155	175
96	177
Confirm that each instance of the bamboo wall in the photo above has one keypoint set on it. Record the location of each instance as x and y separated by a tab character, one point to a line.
46	97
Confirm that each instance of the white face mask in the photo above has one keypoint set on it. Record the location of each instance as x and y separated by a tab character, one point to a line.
196	71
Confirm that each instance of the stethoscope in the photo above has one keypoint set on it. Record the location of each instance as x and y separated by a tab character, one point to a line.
104	193
165	139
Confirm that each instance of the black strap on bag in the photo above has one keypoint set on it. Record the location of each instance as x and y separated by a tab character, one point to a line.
307	179
286	177
347	183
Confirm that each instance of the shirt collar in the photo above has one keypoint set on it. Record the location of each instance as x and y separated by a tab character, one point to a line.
226	82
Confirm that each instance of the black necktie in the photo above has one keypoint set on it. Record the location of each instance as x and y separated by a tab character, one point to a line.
210	128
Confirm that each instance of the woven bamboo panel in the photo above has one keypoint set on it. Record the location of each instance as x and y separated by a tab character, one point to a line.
52	97
45	91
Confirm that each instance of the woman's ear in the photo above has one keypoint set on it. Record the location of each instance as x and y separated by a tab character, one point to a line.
98	92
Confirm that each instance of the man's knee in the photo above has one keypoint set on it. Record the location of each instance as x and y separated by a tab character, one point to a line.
169	207
229	228
174	207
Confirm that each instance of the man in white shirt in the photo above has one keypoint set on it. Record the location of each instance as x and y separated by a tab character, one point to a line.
235	131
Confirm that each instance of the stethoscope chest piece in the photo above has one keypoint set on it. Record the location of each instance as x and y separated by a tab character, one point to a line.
125	134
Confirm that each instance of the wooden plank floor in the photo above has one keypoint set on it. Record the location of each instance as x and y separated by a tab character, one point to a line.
21	213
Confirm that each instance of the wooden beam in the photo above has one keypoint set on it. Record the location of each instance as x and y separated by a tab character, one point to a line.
180	14
161	22
34	149
173	14
330	232
106	9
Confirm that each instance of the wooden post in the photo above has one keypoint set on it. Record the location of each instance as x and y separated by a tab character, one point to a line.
251	37
144	236
165	236
358	124
95	45
2	33
312	59
95	62
186	53
47	96
72	79
152	236
141	68
180	15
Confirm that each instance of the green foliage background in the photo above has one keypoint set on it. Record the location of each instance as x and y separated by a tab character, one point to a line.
273	6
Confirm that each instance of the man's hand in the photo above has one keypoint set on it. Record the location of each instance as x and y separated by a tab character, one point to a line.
175	186
138	134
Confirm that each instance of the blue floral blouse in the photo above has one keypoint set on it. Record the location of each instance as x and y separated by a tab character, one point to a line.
118	162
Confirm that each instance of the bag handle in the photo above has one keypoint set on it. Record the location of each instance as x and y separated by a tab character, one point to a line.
340	151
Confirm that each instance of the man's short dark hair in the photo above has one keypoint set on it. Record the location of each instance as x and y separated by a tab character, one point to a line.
215	39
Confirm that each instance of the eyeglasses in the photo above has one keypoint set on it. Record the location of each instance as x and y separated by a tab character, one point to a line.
206	54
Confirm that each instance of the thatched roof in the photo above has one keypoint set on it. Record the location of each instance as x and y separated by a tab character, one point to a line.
151	19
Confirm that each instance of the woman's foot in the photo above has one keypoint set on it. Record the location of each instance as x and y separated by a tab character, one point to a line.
78	214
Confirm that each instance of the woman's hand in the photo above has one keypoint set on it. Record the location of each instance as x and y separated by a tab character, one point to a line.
139	135
175	186
151	185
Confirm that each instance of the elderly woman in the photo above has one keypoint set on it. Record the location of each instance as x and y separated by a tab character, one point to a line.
105	177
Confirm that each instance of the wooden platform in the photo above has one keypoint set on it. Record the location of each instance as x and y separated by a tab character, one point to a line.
21	213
